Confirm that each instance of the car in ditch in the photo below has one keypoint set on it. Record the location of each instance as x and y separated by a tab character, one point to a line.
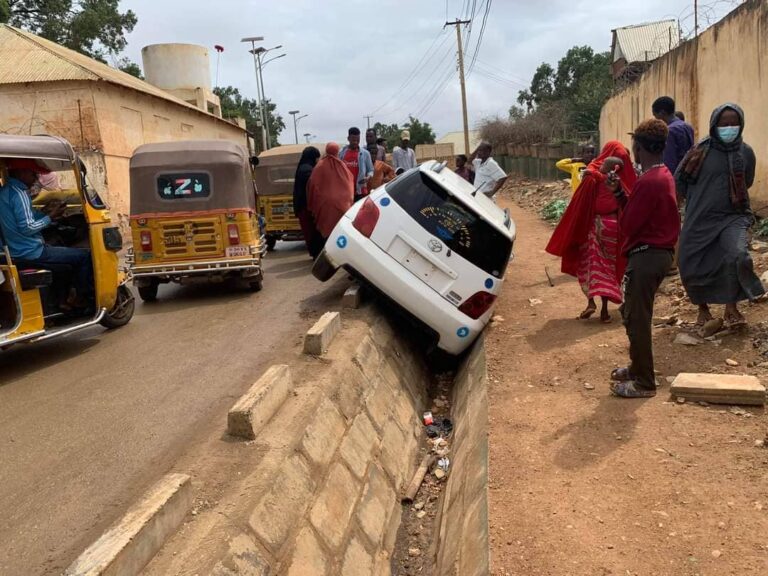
432	244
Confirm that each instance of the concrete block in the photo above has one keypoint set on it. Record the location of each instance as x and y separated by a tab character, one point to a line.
368	358
323	435
348	394
257	406
719	389
320	336
376	506
379	403
281	508
398	448
332	511
358	444
308	556
131	543
353	297
356	560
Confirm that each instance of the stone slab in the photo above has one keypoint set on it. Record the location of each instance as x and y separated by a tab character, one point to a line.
131	543
257	406
353	297
320	336
323	435
308	557
332	511
719	389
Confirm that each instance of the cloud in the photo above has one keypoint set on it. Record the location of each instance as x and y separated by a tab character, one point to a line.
347	58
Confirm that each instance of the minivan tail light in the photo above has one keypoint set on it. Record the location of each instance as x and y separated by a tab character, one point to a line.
234	234
366	218
477	304
146	241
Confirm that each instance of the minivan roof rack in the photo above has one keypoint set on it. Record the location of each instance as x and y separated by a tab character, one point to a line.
439	167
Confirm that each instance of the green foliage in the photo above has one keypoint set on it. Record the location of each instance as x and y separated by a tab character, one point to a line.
554	210
129	67
761	228
94	27
234	105
421	132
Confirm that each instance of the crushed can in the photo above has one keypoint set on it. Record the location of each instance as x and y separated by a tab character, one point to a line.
428	419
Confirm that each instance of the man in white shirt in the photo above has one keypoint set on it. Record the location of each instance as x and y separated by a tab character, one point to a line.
403	156
489	177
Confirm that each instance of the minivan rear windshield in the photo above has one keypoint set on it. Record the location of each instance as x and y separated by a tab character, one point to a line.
460	228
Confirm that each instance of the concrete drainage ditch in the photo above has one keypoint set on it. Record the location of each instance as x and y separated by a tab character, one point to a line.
333	441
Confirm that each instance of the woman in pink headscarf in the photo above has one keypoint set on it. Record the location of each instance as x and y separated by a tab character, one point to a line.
330	191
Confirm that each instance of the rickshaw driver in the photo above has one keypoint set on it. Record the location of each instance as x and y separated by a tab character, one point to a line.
22	228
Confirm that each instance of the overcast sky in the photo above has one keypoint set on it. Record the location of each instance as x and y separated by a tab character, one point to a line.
346	59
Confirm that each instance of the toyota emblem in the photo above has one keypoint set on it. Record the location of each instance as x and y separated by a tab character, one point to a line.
435	245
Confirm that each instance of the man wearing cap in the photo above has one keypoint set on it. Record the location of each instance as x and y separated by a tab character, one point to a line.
403	156
22	228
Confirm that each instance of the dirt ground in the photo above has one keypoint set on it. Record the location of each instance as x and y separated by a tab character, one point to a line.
583	483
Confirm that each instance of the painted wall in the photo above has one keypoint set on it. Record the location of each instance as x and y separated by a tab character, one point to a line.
728	62
105	123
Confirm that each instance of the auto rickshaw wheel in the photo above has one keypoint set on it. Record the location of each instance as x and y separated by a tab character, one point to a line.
255	285
122	311
271	243
148	293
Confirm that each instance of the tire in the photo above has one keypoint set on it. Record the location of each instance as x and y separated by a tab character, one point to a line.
149	293
271	243
323	269
123	310
255	286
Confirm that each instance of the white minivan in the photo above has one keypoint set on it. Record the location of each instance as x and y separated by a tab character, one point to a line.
432	244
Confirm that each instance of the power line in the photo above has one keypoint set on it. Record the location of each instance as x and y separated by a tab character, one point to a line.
480	37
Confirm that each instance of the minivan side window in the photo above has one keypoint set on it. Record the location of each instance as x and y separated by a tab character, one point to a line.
456	225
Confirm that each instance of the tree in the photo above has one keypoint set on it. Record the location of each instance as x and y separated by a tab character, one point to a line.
129	67
234	105
421	132
93	27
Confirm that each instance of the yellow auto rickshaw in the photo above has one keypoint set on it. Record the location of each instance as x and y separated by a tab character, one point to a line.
193	215
274	177
37	300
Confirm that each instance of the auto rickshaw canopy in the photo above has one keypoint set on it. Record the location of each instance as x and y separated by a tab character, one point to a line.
219	172
277	168
51	152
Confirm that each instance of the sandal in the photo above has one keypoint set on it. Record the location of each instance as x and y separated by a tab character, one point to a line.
588	313
621	374
630	389
606	318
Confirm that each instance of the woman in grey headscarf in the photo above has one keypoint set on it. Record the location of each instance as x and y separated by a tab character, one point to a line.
714	179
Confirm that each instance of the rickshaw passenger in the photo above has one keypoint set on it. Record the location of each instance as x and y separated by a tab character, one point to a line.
22	227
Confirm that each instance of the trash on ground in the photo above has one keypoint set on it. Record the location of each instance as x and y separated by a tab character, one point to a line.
428	419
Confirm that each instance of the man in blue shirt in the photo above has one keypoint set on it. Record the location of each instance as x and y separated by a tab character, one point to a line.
22	228
680	138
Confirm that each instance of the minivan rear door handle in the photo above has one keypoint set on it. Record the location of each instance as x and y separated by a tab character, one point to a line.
427	255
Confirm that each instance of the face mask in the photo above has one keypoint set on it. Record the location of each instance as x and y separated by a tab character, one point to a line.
728	133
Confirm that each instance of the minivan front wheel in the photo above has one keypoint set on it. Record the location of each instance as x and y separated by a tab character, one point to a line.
323	269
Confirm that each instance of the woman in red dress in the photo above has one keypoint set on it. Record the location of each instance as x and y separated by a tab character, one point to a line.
588	236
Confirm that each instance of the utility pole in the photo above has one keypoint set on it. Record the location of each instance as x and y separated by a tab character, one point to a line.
252	40
458	24
368	118
696	18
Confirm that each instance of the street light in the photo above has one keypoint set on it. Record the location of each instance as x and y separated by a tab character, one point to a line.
252	40
296	122
263	64
257	54
308	136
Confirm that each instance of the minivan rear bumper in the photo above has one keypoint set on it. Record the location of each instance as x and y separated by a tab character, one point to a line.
347	247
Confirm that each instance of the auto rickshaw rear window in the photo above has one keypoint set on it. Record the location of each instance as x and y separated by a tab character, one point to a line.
282	174
184	186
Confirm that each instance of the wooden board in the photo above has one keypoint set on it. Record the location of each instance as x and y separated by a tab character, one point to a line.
720	389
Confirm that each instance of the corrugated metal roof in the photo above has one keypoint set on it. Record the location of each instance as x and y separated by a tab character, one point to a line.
645	42
25	57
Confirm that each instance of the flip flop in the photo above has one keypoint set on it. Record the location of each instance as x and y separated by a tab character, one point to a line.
587	313
606	319
621	374
630	389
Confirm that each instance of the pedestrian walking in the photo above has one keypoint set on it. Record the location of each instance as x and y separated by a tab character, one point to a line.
358	161
403	156
489	177
576	166
680	138
714	180
587	237
463	169
330	192
382	172
376	151
309	157
650	227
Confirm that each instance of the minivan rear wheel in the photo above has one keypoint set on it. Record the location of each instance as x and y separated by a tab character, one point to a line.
323	269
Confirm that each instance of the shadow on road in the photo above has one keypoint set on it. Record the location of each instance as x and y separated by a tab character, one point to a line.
568	330
24	359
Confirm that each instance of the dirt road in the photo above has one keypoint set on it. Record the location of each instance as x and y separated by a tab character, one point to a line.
586	484
89	422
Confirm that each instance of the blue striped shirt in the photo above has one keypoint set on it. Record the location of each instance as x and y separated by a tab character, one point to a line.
20	224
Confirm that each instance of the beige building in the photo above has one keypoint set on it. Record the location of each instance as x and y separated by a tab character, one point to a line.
727	63
106	114
457	139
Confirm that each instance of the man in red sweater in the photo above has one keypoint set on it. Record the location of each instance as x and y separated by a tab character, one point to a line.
650	225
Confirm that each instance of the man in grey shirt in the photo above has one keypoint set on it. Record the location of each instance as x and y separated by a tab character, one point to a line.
403	156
